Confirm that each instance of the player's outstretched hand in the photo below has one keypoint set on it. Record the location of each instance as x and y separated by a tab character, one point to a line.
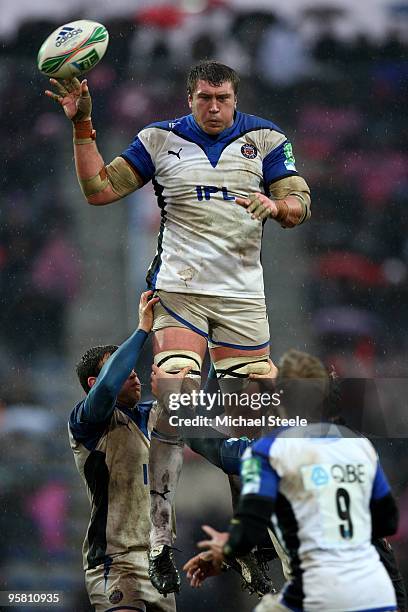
164	382
73	96
215	544
201	567
258	206
146	310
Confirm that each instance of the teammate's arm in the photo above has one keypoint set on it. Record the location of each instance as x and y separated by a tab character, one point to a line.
256	505
384	510
100	401
260	485
101	184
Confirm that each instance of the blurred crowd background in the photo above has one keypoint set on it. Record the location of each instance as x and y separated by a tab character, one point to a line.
70	274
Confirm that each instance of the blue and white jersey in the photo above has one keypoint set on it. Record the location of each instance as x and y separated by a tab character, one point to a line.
112	457
207	243
322	488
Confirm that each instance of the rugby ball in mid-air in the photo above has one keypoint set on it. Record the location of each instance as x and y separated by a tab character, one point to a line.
73	49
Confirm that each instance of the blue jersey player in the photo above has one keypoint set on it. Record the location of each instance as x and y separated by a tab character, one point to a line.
109	433
328	497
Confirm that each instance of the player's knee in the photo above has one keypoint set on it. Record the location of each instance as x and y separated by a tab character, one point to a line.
176	360
242	367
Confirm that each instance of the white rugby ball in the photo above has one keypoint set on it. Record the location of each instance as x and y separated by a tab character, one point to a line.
73	49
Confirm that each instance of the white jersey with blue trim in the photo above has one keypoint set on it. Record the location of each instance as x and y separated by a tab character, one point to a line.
322	485
207	243
112	458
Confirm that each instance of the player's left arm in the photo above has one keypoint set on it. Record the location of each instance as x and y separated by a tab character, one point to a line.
260	484
384	510
289	203
287	196
256	505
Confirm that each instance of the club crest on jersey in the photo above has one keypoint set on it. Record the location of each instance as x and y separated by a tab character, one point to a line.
116	596
249	151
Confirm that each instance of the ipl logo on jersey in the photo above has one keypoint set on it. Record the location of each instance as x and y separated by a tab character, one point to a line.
249	151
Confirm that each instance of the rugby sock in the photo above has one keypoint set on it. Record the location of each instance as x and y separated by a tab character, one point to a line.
165	463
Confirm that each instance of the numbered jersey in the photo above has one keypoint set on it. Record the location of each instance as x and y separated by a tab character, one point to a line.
207	243
112	458
322	486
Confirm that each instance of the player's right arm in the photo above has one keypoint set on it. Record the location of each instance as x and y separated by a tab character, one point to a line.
383	508
101	184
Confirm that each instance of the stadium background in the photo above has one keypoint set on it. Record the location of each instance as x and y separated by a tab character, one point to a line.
334	77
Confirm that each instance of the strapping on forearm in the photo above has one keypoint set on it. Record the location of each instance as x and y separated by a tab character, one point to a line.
289	213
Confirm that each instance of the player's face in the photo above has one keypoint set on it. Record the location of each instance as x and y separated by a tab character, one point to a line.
213	106
131	390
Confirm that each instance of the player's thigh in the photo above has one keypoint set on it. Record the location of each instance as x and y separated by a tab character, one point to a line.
179	323
238	327
178	338
223	352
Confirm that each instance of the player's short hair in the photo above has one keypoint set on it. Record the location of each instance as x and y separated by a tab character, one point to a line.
297	364
305	384
90	363
214	73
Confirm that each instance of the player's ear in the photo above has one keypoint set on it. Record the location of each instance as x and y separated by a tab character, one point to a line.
190	101
91	381
236	102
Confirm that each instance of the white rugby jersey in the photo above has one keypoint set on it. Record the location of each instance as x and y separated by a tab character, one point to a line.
322	485
208	244
112	458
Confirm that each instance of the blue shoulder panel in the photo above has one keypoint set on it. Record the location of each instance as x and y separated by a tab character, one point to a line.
138	157
263	445
380	484
279	163
245	123
87	434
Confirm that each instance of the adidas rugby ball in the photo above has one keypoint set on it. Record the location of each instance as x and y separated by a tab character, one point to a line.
73	49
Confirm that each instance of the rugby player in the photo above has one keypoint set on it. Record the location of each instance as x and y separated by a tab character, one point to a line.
328	497
109	434
219	174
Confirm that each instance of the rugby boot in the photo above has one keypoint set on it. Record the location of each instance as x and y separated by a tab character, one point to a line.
253	572
163	572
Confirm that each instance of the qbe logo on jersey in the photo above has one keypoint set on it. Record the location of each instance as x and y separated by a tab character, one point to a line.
337	499
67	34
